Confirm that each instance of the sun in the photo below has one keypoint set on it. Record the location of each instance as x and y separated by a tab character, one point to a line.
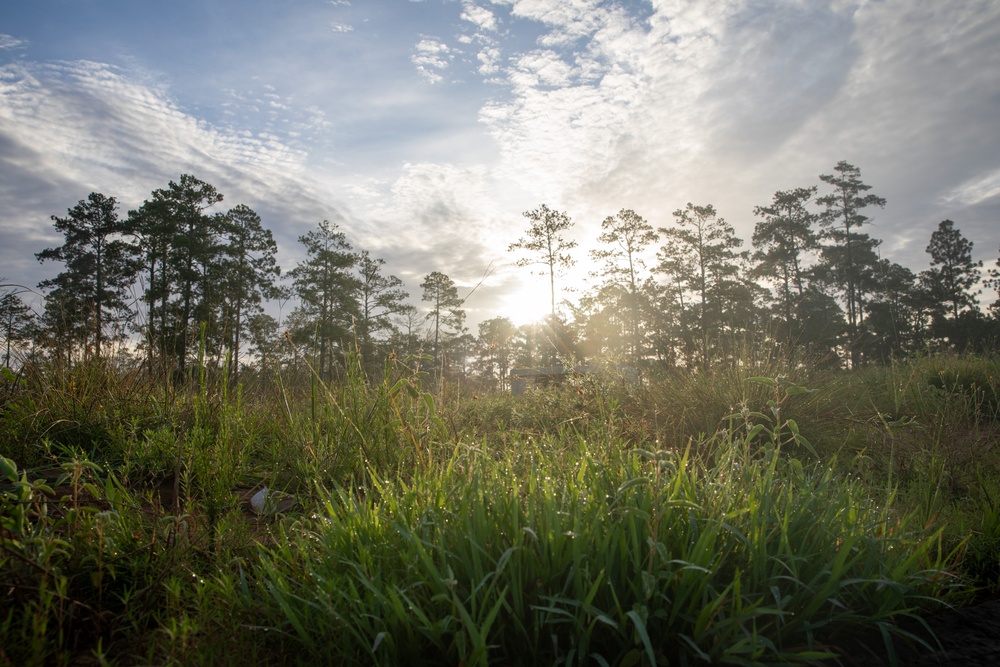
530	302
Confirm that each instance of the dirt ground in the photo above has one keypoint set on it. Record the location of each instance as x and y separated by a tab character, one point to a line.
969	637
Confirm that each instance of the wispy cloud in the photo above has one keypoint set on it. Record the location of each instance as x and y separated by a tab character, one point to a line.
9	42
74	127
975	191
432	57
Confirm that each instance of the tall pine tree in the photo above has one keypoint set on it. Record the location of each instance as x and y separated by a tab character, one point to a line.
90	298
842	218
327	289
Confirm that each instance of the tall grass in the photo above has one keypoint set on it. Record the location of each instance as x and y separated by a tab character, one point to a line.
621	557
751	513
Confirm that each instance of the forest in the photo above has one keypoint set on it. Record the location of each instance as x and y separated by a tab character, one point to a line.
179	278
801	467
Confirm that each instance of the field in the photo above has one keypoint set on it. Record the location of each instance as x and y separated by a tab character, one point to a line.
762	512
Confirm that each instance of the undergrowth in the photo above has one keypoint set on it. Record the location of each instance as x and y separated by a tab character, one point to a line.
754	513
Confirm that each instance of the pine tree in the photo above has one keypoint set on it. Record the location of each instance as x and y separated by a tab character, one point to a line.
182	246
626	236
782	237
546	241
247	275
380	298
445	311
496	343
841	218
994	282
700	256
92	294
17	322
328	290
953	274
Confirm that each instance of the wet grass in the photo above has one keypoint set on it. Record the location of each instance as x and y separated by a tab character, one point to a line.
760	513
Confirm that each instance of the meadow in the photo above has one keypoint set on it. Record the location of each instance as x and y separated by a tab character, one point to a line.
760	512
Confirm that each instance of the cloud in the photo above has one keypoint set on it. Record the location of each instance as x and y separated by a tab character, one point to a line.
479	16
70	128
340	27
727	102
973	192
437	217
568	20
489	58
592	106
431	58
8	42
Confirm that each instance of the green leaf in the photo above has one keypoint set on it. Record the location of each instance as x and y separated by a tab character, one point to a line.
8	469
640	628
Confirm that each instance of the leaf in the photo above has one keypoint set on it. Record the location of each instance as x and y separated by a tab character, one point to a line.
640	628
767	382
8	469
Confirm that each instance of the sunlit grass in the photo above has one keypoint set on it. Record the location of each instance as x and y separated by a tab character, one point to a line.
753	513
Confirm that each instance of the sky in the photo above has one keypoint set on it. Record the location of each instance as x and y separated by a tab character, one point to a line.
426	129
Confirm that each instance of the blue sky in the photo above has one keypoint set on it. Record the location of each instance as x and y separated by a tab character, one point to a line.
425	129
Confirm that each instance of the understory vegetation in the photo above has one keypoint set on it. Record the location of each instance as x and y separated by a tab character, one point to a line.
755	512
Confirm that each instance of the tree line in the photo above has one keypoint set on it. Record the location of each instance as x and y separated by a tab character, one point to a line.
185	279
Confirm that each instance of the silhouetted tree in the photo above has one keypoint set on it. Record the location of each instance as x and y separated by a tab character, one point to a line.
182	247
247	276
93	292
546	241
17	322
994	282
700	256
496	337
841	218
953	274
896	312
380	299
624	238
785	233
328	290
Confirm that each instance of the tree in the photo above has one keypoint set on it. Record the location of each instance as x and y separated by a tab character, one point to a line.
700	257
830	275
953	274
782	236
181	246
328	290
994	282
445	315
496	337
92	292
605	321
895	311
546	241
380	298
16	322
248	276
841	217
628	235
265	339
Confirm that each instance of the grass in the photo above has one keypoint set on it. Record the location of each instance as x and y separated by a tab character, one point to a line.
755	513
